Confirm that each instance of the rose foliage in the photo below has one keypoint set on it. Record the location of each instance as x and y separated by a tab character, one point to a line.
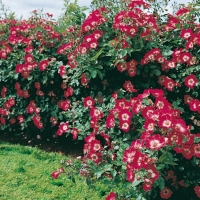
125	80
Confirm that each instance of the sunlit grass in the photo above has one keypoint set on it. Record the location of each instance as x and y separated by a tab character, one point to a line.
25	173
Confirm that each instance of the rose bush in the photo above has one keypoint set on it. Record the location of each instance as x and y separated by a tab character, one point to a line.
32	87
124	80
149	52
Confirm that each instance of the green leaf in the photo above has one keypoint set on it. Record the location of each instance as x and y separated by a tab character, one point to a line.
173	75
72	179
95	57
160	166
120	94
167	53
156	72
167	158
170	156
162	157
116	147
100	74
140	130
195	93
98	174
113	43
93	74
88	181
176	103
170	162
138	72
113	173
187	89
153	67
107	167
161	182
136	182
122	53
126	137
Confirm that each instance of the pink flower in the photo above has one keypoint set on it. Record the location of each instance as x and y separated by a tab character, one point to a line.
129	87
64	126
130	175
194	104
72	63
125	115
68	92
186	57
43	65
97	34
169	83
121	67
153	174
182	11
111	196
170	64
187	151
186	33
20	119
56	173
124	126
196	150
147	184
93	44
74	133
30	109
94	156
62	70
165	121
39	93
88	102
197	190
28	58
191	81
165	193
110	121
129	155
84	79
37	85
95	113
95	145
155	142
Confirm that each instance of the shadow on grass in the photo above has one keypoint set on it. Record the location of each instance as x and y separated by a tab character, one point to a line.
63	145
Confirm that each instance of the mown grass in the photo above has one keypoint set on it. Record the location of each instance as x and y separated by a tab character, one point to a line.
25	174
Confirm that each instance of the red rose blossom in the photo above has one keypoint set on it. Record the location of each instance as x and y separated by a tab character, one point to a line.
191	81
111	196
197	190
165	193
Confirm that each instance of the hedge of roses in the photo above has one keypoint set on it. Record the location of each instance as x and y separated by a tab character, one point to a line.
125	81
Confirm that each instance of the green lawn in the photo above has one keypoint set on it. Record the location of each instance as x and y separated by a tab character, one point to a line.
25	174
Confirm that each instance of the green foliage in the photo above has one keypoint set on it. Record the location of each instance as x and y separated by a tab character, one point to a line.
5	12
73	15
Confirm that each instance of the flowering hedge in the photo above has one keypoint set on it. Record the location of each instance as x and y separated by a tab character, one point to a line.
30	82
125	81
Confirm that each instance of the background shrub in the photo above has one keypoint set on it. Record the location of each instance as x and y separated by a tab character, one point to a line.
124	80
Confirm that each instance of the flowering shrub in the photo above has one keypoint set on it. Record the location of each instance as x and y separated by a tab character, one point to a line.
31	81
124	80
